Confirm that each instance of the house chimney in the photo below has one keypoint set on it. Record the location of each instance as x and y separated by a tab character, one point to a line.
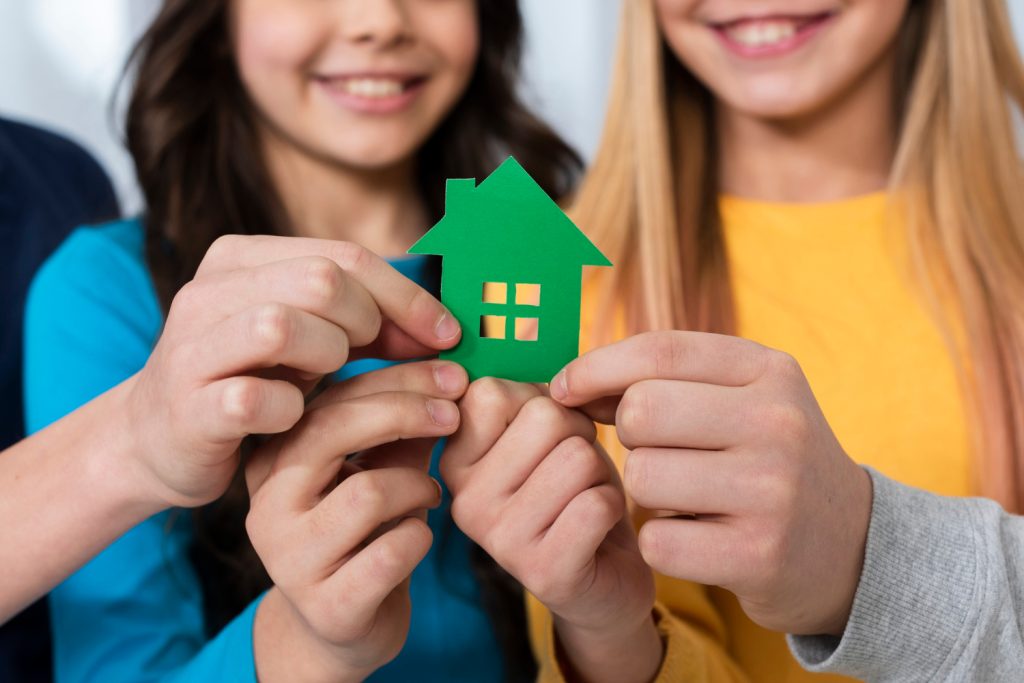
458	191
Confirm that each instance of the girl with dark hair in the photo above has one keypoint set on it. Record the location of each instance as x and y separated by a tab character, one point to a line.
336	120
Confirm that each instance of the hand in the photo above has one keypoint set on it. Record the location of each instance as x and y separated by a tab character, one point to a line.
340	536
532	488
729	431
263	320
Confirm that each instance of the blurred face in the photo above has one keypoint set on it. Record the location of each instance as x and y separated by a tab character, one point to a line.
360	83
780	59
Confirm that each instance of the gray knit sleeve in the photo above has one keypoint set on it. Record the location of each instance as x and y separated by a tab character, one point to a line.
941	595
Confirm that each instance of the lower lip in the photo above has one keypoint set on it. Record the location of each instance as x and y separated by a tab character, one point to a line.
391	104
783	47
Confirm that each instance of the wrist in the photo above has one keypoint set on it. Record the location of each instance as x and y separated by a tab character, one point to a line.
624	652
285	648
115	467
144	422
854	543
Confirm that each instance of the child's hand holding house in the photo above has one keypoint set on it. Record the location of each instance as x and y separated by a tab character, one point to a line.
263	320
338	519
531	487
727	434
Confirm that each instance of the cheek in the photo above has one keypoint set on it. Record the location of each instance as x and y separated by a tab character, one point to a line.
688	40
272	40
450	29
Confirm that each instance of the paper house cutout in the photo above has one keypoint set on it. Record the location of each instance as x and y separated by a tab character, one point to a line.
511	274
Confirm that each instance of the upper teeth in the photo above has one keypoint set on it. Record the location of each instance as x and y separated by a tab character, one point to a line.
761	33
373	87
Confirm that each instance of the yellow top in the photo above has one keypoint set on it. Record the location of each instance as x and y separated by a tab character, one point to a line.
829	284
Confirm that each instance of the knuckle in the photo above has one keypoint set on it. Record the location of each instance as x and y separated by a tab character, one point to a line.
634	415
786	422
652	541
386	558
324	280
188	298
487	395
242	399
636	472
768	550
578	455
221	248
323	521
779	489
366	492
273	327
781	363
420	535
373	325
602	507
543	412
351	256
666	351
182	355
419	299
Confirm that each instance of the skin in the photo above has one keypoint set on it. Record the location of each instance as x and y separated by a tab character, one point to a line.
729	431
345	173
726	437
169	436
340	535
342	173
532	487
792	128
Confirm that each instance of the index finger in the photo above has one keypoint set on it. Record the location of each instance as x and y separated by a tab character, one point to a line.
401	300
675	355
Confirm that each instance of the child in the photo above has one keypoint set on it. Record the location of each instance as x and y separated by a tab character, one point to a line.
334	119
840	182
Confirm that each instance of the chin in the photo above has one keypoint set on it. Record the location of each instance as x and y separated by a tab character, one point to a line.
780	101
371	156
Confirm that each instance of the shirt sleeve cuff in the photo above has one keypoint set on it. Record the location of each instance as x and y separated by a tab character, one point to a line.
672	664
920	571
229	656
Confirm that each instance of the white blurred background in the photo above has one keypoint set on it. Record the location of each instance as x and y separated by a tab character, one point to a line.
61	59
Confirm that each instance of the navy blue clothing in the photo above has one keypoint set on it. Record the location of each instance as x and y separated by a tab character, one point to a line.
48	186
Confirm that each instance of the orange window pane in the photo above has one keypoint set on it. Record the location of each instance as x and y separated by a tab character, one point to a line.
527	328
495	293
527	295
492	327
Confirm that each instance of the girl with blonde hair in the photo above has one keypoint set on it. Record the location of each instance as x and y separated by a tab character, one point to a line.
838	180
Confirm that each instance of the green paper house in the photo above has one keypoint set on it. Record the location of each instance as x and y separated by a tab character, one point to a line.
512	273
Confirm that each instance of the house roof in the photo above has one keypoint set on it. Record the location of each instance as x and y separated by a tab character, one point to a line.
507	216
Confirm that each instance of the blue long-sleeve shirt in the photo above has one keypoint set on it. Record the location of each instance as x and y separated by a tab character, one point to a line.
135	613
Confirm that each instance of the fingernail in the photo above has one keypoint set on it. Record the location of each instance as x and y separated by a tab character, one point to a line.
443	413
559	387
447	327
448	377
440	491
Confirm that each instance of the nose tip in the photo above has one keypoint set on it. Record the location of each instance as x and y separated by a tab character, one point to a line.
381	22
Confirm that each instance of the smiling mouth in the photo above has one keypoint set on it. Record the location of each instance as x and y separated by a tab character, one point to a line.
374	87
766	33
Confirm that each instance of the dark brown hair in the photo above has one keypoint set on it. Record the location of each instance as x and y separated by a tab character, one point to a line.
192	133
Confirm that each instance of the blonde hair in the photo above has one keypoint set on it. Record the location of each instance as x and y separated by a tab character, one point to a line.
650	202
